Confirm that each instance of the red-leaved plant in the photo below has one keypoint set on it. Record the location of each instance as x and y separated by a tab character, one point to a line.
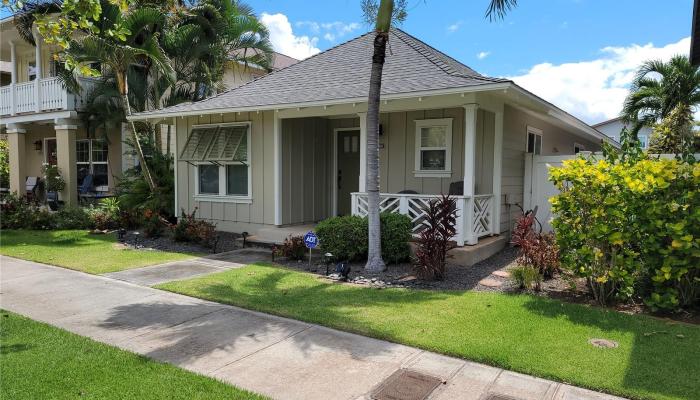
436	239
537	250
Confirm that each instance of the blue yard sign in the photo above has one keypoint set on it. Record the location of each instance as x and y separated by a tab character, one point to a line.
311	240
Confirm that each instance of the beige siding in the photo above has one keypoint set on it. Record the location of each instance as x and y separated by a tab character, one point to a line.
555	141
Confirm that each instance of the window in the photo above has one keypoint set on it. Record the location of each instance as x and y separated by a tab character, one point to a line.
433	148
31	70
643	141
534	140
91	158
221	155
579	148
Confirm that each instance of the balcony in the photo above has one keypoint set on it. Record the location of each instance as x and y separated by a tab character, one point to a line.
47	94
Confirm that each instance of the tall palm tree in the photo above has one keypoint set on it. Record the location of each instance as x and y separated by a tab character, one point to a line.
382	15
138	48
661	90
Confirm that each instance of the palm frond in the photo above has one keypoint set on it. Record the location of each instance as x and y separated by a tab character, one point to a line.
498	9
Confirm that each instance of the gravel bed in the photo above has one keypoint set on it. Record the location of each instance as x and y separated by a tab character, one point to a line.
226	241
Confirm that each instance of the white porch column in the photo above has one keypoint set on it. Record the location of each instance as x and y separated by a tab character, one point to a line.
13	76
66	158
497	173
277	144
469	169
18	154
39	75
363	151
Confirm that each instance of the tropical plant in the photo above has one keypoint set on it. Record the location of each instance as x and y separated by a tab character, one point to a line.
436	238
663	90
526	277
293	248
52	178
535	249
136	44
4	164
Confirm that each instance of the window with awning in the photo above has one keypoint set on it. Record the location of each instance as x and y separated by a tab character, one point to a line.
217	143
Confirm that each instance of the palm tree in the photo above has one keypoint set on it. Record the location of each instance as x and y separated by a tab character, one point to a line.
382	15
139	48
664	90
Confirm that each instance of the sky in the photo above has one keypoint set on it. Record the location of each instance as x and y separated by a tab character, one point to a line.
579	54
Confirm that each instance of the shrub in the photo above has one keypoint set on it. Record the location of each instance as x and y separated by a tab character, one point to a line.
436	239
629	222
526	277
536	250
15	212
52	178
346	237
73	218
152	224
292	248
4	164
105	215
190	229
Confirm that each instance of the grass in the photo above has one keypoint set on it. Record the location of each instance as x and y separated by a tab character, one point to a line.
38	361
655	359
80	250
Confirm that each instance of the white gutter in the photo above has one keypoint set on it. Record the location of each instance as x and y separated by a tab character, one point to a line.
398	96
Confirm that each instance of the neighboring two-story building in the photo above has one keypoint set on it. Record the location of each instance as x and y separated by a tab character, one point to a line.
613	127
41	118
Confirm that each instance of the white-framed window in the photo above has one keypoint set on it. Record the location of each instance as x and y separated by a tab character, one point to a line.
222	155
534	140
433	156
579	148
643	141
91	158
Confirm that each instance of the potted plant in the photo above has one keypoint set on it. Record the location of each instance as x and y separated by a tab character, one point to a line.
54	183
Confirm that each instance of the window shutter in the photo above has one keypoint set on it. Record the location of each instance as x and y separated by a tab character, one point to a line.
198	143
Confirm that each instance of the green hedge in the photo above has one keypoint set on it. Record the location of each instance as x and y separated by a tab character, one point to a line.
346	237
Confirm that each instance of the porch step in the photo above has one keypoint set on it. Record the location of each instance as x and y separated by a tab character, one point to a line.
486	247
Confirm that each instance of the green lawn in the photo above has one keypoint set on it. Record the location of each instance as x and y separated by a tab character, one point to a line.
38	361
655	359
95	254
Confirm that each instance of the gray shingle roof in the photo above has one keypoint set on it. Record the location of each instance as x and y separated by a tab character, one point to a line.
343	72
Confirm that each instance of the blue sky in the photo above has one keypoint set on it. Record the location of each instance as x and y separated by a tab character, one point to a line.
579	54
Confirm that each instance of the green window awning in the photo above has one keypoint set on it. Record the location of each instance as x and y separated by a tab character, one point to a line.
219	143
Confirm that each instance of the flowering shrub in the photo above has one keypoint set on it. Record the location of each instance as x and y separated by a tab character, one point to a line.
190	229
627	220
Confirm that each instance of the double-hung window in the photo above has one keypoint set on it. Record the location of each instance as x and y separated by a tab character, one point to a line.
221	155
91	159
433	157
534	140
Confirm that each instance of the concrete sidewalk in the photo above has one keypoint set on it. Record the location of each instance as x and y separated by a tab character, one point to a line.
278	357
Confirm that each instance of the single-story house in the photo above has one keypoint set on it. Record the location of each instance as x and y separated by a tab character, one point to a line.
288	148
613	127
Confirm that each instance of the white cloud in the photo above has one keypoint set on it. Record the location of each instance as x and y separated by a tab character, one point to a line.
331	30
483	54
285	41
594	90
454	27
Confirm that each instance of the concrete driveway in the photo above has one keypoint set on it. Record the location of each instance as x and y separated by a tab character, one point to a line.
278	357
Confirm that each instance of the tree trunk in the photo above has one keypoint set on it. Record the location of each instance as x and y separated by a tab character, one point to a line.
145	170
375	263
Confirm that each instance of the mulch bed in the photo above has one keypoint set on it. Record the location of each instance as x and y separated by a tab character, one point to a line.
226	241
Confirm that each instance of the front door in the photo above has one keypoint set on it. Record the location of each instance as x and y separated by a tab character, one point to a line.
348	153
50	156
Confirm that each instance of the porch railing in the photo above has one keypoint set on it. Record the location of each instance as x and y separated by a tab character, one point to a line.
22	97
474	214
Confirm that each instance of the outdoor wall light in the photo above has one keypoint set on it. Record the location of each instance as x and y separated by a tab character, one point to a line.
38	145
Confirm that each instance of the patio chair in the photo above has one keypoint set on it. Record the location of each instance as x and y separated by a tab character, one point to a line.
32	187
87	191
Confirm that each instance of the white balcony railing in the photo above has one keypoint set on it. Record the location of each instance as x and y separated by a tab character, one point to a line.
22	97
474	214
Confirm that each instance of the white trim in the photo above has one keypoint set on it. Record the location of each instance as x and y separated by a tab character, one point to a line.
363	151
277	167
223	199
497	173
241	123
334	175
427	123
321	103
176	202
534	131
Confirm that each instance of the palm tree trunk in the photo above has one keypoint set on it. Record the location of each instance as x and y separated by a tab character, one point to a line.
375	263
145	170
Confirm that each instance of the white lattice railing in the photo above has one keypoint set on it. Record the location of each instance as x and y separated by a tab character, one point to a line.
478	211
53	95
6	100
25	97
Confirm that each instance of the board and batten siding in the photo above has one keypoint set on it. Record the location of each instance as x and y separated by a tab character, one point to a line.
233	216
555	141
